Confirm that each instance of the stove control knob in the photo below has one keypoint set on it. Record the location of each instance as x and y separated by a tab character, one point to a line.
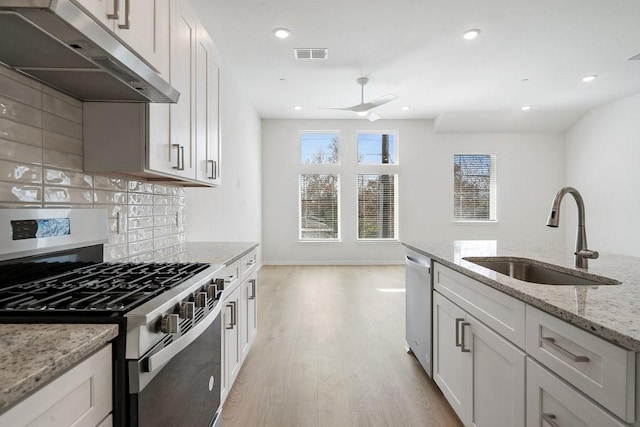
187	310
201	299
212	291
170	324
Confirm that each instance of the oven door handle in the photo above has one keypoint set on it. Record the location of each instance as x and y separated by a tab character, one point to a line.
159	359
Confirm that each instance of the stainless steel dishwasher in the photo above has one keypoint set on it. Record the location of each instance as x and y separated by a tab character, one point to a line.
418	307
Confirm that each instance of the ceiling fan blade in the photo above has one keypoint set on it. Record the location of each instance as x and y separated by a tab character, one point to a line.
381	100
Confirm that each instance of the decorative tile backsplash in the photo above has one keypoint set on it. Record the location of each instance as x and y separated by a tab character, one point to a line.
41	166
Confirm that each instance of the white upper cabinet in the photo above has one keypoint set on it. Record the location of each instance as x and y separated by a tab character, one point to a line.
207	111
181	141
137	22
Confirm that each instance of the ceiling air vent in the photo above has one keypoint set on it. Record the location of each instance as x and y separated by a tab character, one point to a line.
635	58
311	53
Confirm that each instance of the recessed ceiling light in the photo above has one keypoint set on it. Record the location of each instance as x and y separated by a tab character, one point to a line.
282	33
471	34
590	78
405	107
526	107
297	107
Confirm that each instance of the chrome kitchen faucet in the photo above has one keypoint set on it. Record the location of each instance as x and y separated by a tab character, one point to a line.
582	253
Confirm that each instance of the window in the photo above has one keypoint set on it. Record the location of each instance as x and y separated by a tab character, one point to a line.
376	149
474	187
319	207
377	206
318	148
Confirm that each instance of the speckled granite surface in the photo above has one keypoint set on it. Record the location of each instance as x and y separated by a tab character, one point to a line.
31	355
609	311
217	252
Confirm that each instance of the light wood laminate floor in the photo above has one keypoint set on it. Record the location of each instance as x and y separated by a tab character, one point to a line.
330	352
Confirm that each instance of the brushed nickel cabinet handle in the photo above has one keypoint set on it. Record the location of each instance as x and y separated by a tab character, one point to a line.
576	358
232	306
458	320
182	155
114	15
177	147
462	347
127	9
253	289
214	169
234	314
550	419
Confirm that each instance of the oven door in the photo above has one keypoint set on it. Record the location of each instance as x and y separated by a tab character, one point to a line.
178	383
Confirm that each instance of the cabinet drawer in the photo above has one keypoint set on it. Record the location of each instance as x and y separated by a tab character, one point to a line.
600	369
499	311
80	397
553	401
247	262
231	273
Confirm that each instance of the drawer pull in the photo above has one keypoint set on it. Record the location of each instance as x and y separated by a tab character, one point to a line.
462	347
458	320
564	351
550	419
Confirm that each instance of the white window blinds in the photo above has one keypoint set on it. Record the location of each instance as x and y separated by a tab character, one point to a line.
319	207
377	206
474	187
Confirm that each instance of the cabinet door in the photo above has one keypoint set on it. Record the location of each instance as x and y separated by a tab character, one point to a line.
183	41
207	111
231	342
248	326
140	24
102	10
450	365
498	379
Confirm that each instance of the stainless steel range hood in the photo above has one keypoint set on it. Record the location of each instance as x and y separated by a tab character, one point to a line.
60	44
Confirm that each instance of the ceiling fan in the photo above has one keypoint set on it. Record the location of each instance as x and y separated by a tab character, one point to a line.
364	108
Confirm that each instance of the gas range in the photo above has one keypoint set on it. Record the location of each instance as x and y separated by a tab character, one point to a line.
51	270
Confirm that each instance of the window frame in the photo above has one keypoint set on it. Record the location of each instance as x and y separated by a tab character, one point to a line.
396	148
396	233
493	190
338	237
306	132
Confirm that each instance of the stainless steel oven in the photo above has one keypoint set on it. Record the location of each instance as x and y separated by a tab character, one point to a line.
167	356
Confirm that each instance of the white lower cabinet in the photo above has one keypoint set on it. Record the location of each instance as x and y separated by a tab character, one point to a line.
481	374
249	313
554	403
81	397
231	340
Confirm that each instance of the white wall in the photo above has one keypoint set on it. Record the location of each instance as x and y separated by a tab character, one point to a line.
530	169
602	152
231	212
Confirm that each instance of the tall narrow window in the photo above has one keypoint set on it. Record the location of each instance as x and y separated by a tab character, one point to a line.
319	207
474	187
377	206
318	148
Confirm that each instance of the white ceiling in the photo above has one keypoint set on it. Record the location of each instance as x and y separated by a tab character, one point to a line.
415	49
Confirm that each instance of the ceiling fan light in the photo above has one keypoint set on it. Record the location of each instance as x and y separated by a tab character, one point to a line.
362	113
372	116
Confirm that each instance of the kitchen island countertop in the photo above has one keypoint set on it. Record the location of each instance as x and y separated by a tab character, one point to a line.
32	355
217	252
609	311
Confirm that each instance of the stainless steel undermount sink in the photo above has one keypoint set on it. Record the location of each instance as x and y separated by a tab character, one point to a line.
533	271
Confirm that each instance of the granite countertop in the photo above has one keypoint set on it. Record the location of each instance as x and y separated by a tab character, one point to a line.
609	311
217	252
31	355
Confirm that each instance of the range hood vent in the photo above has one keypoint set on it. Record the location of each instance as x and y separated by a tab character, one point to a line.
59	44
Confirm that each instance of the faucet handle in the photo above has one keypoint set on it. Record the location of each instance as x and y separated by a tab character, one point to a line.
586	253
